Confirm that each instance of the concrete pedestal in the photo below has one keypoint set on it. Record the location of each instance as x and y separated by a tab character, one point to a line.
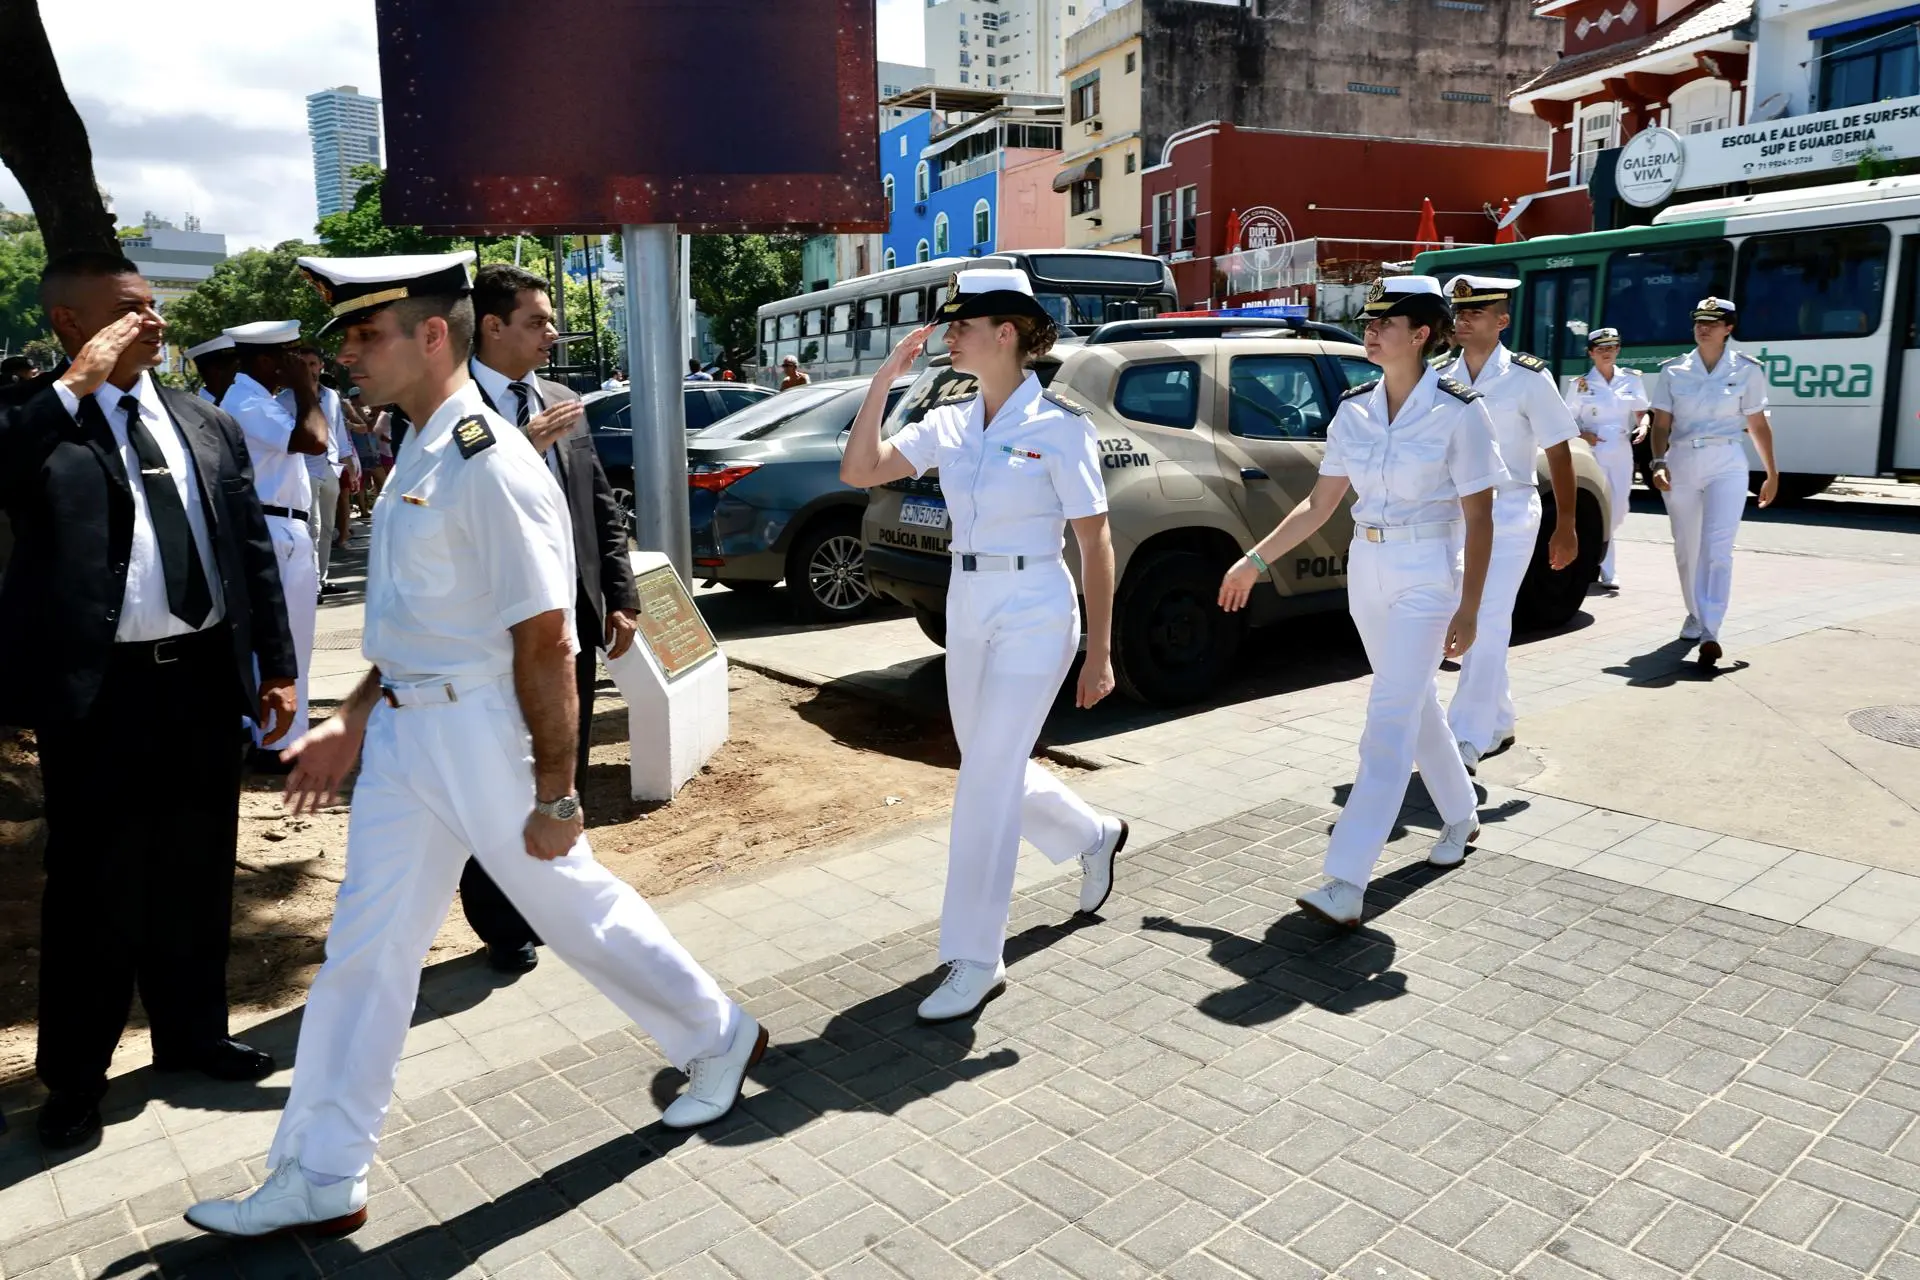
675	722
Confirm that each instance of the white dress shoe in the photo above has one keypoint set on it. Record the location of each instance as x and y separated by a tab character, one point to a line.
1470	757
1096	866
287	1202
713	1082
1691	628
1339	901
968	985
1451	847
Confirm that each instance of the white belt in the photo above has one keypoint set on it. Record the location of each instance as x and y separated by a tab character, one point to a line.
969	562
422	693
1405	532
1701	442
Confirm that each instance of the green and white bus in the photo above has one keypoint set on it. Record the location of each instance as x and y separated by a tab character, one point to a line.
1825	279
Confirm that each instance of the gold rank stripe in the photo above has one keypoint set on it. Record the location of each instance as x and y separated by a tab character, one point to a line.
370	300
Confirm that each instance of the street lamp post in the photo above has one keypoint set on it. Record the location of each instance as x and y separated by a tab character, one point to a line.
655	346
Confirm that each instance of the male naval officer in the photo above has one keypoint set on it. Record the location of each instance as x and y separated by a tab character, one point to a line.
468	719
279	439
1528	415
216	361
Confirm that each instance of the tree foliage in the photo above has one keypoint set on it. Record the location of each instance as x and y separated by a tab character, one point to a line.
732	277
258	284
22	256
359	232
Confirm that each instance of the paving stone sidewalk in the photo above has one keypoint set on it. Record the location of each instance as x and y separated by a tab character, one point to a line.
1512	1069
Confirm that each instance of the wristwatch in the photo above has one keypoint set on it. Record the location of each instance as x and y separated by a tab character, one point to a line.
565	809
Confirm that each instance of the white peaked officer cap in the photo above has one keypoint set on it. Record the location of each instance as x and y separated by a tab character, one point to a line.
264	333
1714	309
1478	291
1419	298
991	291
211	345
356	287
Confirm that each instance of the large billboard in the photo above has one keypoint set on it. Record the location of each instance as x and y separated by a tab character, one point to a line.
585	115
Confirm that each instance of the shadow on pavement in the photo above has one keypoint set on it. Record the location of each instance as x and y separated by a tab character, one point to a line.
874	1056
742	615
1300	961
1669	665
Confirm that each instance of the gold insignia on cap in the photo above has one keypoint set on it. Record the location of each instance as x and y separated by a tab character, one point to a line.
1461	289
1378	292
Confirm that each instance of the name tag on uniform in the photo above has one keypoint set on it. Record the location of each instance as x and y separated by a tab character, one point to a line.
415	500
1012	452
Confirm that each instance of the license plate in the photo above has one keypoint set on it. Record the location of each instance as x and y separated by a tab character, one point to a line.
924	513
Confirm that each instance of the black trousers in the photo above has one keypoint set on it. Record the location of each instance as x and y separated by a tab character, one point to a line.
140	857
497	921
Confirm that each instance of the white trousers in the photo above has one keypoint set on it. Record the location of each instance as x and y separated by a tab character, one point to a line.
300	583
1402	596
1482	712
320	520
1616	460
1707	498
437	783
1011	638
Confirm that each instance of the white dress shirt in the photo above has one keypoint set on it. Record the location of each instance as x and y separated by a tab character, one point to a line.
144	611
1608	407
1709	403
496	384
1010	486
324	466
463	549
279	475
1415	469
1528	413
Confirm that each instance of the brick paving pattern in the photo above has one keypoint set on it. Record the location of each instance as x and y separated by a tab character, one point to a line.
1510	1070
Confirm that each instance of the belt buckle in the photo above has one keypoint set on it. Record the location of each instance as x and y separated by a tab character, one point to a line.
162	649
969	563
1375	535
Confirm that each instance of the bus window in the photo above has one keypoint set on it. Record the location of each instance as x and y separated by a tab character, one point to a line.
789	325
1651	293
872	322
812	322
1557	316
767	329
906	306
840	319
1826	282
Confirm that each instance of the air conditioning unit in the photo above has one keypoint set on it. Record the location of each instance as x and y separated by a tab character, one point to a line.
1090	127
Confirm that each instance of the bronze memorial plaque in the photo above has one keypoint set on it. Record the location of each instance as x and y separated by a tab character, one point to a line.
670	625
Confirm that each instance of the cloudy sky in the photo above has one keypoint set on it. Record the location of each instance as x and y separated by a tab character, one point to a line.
200	106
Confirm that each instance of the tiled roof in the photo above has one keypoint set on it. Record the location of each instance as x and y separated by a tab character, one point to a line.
1682	29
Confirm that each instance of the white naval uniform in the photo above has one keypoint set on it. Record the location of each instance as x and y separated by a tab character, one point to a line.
1707	470
1610	409
1408	477
464	547
323	473
1528	416
1010	486
280	477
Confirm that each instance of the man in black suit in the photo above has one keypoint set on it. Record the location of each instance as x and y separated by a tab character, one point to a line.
142	588
515	331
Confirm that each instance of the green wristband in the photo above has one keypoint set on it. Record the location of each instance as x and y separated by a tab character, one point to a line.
1258	563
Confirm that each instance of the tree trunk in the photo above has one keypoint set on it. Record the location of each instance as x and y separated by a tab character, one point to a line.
43	140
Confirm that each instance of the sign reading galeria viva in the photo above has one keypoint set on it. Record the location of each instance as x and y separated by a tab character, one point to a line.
1803	144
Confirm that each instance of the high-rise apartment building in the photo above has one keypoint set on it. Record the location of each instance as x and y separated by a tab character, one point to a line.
1017	45
344	125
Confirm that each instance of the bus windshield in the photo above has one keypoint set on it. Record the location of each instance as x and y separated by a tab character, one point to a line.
1090	306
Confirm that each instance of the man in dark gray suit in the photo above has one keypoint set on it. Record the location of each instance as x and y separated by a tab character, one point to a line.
142	592
513	334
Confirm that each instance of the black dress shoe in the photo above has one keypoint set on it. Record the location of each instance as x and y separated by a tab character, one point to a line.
520	959
68	1120
223	1060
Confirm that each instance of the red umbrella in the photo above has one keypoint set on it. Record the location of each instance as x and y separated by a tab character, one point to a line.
1429	232
1509	229
1233	232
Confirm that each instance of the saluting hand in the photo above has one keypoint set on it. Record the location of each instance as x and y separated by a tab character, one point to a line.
547	426
98	359
906	351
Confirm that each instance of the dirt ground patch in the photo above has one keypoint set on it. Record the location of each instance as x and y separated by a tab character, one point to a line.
802	769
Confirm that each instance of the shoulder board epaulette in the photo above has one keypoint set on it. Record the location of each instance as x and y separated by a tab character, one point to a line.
1459	390
471	435
1364	388
1741	355
1673	359
1526	360
1065	401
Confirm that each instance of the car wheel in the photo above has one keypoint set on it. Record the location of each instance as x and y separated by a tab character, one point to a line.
1172	641
932	625
827	571
1550	598
1795	486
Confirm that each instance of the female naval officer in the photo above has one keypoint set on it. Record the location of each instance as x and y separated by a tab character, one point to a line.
1703	403
1017	465
1608	402
1417	449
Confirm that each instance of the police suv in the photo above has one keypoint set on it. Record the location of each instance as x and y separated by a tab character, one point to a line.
1210	431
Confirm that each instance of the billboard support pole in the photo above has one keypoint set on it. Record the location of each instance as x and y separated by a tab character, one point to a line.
655	372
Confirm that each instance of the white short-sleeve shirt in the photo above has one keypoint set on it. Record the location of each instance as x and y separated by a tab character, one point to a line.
1416	468
279	476
1528	413
1709	402
1012	484
467	542
1608	407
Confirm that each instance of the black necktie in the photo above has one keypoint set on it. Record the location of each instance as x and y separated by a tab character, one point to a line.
524	414
187	594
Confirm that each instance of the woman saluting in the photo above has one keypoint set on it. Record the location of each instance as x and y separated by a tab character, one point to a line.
1017	465
1417	450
